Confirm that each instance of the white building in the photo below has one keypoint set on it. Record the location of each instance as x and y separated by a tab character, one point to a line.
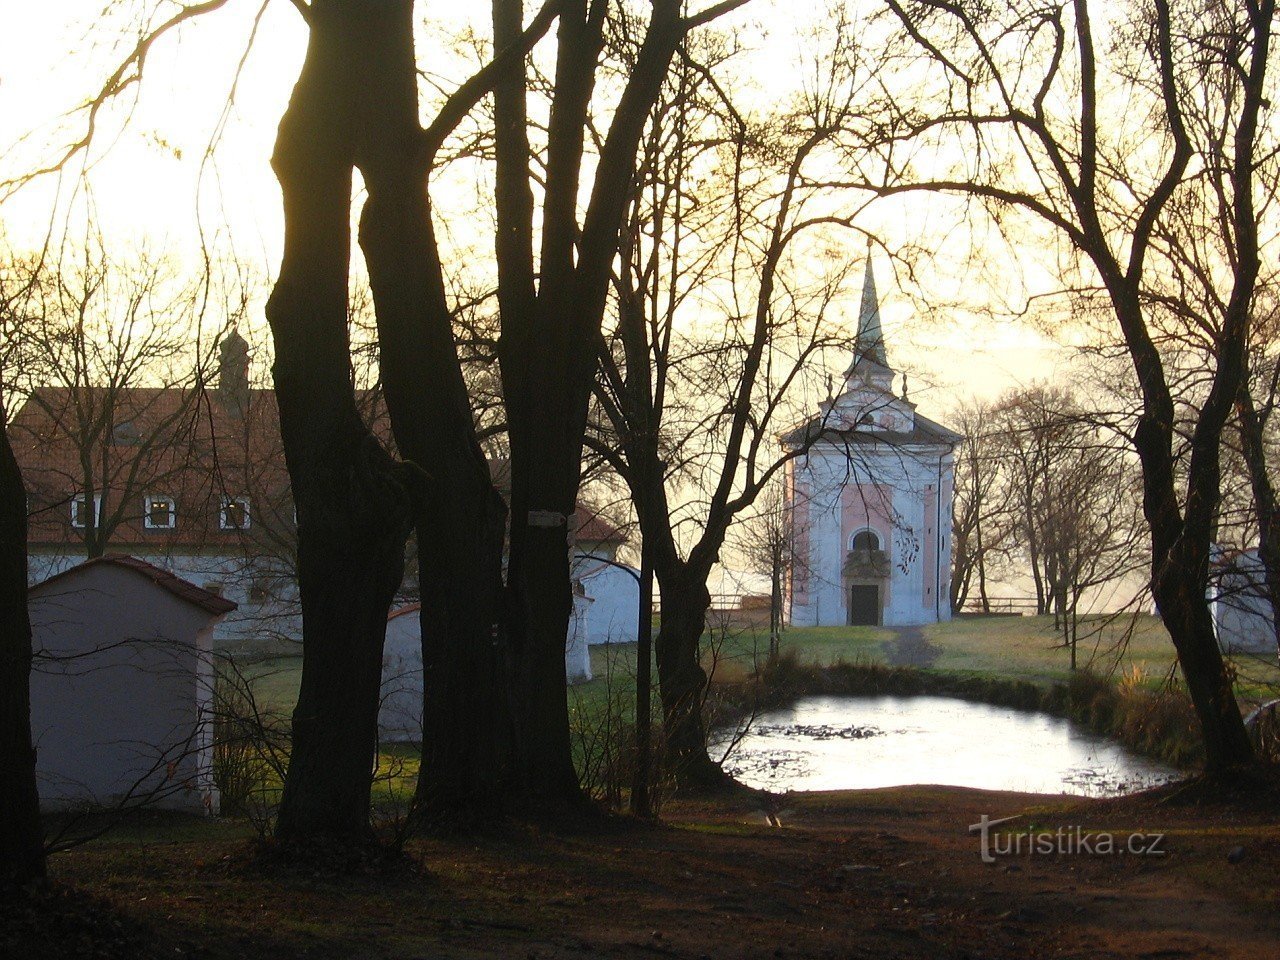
400	699
195	482
122	687
1242	614
870	496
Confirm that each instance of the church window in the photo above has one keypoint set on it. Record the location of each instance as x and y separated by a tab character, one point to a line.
865	540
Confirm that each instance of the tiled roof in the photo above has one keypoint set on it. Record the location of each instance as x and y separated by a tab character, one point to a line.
193	447
196	447
182	589
403	611
143	442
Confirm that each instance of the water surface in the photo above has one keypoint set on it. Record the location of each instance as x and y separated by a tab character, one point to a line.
850	743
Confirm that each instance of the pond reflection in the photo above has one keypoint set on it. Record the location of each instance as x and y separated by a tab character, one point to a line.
851	743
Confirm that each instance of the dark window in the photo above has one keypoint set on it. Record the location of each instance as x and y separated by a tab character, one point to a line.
866	540
235	514
84	511
126	432
160	514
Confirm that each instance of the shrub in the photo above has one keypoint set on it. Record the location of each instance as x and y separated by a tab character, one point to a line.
250	750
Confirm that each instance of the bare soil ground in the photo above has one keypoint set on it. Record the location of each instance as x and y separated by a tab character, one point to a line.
886	873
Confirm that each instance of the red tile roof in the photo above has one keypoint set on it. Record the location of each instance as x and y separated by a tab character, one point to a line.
127	445
182	589
402	611
196	447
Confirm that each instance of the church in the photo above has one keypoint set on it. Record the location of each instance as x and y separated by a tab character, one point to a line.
869	495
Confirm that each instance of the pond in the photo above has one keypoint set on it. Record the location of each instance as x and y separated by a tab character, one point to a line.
852	743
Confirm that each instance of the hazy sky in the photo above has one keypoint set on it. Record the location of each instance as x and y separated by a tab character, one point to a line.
152	185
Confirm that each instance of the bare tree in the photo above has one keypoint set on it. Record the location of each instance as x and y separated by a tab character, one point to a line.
1027	89
726	222
552	309
1069	496
111	389
766	539
980	525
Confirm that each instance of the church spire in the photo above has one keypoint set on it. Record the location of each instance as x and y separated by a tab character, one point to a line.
869	357
870	343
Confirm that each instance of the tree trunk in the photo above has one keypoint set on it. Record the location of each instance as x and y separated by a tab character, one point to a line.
641	796
982	574
1264	503
352	504
21	837
541	595
775	607
1186	617
683	682
459	517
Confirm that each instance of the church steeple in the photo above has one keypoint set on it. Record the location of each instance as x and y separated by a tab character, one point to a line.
869	357
870	343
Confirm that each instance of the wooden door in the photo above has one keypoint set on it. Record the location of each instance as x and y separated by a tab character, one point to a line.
864	605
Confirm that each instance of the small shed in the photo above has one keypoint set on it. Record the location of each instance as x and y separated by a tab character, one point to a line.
577	657
122	687
614	589
1242	614
400	712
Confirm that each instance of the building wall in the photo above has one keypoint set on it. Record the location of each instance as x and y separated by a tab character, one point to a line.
1242	615
400	713
895	491
612	615
121	693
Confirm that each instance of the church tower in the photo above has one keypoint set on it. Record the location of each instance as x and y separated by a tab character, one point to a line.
870	495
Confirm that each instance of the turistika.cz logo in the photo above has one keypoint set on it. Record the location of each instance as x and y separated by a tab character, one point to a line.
1064	841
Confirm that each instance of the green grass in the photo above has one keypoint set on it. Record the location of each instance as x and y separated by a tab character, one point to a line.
1029	648
1020	648
1120	689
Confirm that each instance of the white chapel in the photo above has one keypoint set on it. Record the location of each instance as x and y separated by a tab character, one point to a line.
870	499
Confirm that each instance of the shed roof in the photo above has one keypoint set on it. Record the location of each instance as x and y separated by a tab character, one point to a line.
182	589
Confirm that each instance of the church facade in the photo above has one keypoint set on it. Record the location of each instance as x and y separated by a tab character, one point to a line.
869	495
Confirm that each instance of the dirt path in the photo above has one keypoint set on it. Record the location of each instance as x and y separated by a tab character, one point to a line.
909	648
870	874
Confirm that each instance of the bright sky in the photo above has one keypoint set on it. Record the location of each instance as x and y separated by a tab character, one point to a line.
151	185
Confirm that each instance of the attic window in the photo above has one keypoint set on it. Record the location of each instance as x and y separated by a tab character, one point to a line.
125	432
234	514
85	510
159	513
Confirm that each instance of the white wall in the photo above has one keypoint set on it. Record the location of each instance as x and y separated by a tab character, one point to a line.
252	624
121	693
400	715
615	593
909	472
1242	614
